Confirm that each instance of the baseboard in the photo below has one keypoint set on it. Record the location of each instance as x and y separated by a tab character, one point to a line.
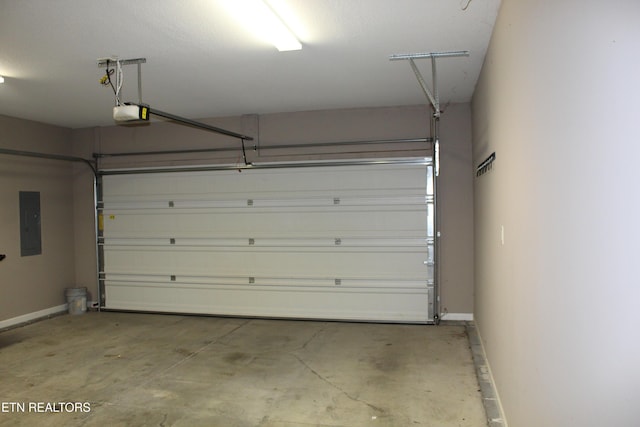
29	317
490	397
466	317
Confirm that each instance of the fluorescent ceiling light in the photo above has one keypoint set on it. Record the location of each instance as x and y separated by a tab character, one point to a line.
263	21
1	79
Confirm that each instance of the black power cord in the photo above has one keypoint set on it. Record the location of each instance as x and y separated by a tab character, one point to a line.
106	79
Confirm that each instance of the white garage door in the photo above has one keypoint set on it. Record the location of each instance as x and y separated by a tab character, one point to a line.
330	241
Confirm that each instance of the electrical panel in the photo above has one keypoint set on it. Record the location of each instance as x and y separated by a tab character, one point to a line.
30	231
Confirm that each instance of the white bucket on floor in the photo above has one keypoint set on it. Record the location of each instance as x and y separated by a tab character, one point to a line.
77	300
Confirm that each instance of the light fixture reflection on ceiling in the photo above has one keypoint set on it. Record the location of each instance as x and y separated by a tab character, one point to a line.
262	20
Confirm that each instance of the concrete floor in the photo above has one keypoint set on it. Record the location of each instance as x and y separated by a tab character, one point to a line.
162	370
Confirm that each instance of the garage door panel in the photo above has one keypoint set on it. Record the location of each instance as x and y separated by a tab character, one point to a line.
254	221
269	182
186	200
311	304
377	264
323	241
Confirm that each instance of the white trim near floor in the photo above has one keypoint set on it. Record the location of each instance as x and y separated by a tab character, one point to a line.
467	317
25	318
490	397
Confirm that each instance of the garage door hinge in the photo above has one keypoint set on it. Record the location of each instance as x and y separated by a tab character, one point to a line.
252	280
336	200
338	282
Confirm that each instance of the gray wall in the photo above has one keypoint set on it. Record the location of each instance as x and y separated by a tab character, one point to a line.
303	128
455	196
33	283
557	304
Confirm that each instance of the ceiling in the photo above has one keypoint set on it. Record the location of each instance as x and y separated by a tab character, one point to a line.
201	63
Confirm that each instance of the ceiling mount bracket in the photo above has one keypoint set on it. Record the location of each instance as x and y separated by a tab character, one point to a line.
108	62
432	96
104	62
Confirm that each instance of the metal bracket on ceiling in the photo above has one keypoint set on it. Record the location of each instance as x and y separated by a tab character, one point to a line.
108	62
432	96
